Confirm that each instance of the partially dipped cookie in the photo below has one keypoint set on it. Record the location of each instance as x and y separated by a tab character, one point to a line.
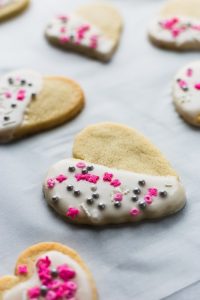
186	93
116	176
10	8
93	30
49	271
177	25
30	103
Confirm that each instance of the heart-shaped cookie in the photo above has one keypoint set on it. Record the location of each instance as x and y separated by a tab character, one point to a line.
30	103
49	271
118	176
10	8
177	26
186	93
93	30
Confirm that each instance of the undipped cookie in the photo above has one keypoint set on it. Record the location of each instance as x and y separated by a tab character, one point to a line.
186	93
117	176
30	103
93	30
49	271
9	8
177	26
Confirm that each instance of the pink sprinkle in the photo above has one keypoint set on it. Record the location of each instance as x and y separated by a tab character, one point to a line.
34	293
81	165
115	183
64	39
94	42
61	178
189	72
63	29
197	86
82	30
176	32
107	177
195	27
72	212
8	94
169	24
43	263
93	178
51	295
20	96
51	183
22	270
153	192
182	84
63	18
65	272
148	199
72	286
118	197
134	212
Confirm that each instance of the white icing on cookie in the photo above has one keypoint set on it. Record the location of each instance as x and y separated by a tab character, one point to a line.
186	92
19	292
17	89
6	2
176	30
75	30
102	195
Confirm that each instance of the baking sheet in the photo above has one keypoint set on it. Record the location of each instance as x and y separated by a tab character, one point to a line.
148	261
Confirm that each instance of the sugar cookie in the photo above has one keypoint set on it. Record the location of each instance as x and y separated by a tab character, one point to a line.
30	103
10	8
186	93
117	176
93	30
177	26
49	271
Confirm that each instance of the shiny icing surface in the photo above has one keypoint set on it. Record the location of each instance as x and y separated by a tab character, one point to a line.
20	291
186	90
17	90
95	194
176	30
75	30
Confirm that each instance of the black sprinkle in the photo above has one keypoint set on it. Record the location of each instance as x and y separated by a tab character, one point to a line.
90	168
84	171
90	201
77	193
163	194
43	290
141	183
137	191
142	204
70	188
117	204
13	105
95	195
6	118
10	80
101	206
71	169
134	198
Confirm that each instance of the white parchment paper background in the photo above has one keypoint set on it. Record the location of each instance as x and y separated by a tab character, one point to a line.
149	261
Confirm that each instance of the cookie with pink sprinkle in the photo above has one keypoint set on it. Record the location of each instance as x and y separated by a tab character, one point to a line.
93	30
49	271
177	25
186	93
115	176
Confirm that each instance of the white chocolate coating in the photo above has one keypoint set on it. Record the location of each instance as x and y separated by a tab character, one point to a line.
91	214
19	292
184	34
12	117
59	30
185	93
